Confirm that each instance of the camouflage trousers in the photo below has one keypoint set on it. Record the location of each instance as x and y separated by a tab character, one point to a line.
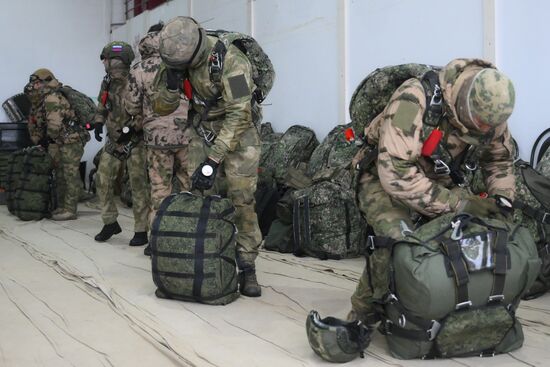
107	174
385	216
236	179
163	165
66	159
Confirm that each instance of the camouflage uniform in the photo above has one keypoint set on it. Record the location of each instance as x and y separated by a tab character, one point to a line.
543	166
55	122
165	136
402	186
111	110
237	145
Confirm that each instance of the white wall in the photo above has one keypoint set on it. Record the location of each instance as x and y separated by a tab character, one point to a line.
65	36
322	49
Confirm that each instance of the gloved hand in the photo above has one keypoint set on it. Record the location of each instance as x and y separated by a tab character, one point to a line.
126	134
203	177
98	130
44	142
479	207
173	79
505	205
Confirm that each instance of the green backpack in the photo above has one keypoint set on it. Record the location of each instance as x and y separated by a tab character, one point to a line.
292	148
31	184
263	73
456	284
374	92
327	223
543	166
193	249
83	106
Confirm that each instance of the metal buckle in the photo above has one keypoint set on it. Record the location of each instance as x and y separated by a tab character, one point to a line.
436	98
402	321
462	305
546	216
470	166
391	298
457	230
433	330
370	243
496	298
441	168
215	61
485	354
126	148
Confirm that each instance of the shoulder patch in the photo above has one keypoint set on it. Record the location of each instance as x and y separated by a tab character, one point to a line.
405	115
238	85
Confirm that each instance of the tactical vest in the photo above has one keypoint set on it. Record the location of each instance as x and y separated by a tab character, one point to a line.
456	283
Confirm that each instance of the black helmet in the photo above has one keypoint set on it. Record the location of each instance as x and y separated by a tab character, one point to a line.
336	340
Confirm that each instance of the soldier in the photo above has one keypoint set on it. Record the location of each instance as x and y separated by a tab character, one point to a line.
53	125
406	183
225	144
124	145
165	136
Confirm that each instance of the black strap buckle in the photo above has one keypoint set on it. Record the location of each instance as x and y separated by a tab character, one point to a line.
461	305
433	330
441	168
496	298
437	98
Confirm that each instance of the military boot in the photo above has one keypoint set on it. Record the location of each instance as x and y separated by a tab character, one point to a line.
64	215
147	250
140	239
108	231
248	284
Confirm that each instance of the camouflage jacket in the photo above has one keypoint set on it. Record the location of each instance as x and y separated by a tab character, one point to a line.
158	131
230	112
111	111
57	120
400	133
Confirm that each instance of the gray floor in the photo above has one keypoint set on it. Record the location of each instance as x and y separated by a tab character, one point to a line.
66	300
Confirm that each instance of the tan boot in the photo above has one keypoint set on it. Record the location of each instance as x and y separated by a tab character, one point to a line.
64	215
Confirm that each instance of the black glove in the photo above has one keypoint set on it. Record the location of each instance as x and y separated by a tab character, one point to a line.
126	134
98	130
173	79
44	142
203	178
479	207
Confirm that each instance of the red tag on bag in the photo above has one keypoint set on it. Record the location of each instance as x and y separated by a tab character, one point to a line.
430	145
188	89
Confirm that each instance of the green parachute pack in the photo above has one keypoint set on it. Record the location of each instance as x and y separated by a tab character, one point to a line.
263	73
84	107
456	284
30	184
193	249
374	92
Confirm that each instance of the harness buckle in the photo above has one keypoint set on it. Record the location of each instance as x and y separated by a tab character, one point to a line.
402	321
441	168
496	298
462	305
215	62
433	330
457	230
546	218
391	298
436	97
370	243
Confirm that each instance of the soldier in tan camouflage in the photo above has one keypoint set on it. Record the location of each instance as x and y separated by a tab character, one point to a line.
124	145
54	127
165	137
225	144
403	186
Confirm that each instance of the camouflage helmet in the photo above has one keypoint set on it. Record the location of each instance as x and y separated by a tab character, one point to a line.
118	50
182	43
336	340
485	99
42	74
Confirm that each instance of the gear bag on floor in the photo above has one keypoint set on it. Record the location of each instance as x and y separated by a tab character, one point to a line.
193	249
456	285
31	184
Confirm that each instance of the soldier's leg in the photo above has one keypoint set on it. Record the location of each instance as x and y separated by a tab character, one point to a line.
107	173
181	163
241	171
71	154
385	216
60	187
160	163
139	183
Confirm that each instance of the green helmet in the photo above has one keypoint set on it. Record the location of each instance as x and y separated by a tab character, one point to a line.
336	340
182	43
118	50
486	98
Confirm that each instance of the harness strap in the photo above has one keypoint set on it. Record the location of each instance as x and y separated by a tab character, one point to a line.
199	246
501	266
540	215
460	271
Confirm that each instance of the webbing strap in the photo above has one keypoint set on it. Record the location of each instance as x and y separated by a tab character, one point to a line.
182	214
460	271
538	214
501	265
199	246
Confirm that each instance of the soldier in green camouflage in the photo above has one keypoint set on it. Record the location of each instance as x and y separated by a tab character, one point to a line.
543	166
124	145
225	144
165	137
403	186
56	129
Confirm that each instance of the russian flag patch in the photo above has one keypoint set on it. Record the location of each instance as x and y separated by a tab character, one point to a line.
116	48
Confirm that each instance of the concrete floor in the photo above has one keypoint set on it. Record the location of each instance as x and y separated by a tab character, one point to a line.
66	300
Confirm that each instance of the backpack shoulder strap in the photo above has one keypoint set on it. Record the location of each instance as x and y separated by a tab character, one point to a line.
434	98
216	61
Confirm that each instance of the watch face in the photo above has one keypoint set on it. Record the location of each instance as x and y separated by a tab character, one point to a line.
125	129
207	170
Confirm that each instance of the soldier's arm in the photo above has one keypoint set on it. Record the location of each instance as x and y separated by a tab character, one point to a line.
164	101
236	89
102	111
133	99
57	110
497	164
400	148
